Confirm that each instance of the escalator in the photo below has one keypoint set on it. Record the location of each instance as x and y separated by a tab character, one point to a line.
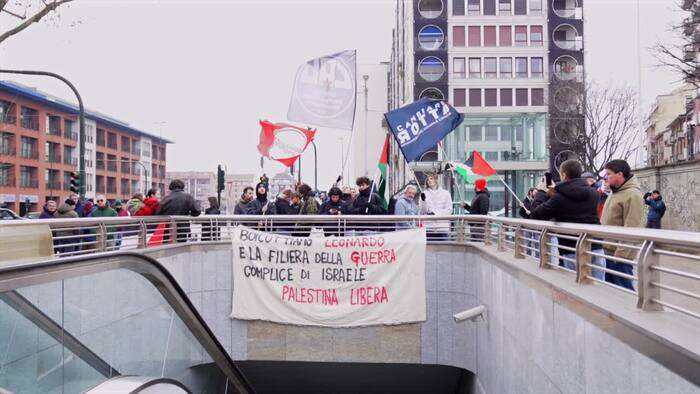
114	323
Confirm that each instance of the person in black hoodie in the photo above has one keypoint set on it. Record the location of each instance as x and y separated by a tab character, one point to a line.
261	204
333	206
364	204
479	206
572	201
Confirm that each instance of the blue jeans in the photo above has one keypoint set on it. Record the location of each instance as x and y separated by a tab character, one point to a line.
654	223
617	280
595	260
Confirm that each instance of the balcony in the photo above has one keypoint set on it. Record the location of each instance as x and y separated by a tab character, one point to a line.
29	154
53	158
8	181
566	68
29	123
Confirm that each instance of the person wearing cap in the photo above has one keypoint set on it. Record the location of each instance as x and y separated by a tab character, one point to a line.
479	206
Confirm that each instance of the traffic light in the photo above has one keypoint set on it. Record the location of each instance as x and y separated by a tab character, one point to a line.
220	179
74	182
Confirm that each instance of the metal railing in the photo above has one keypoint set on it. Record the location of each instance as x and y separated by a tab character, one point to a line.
660	268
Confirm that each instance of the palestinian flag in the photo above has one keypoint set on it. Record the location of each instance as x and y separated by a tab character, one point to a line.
476	167
382	166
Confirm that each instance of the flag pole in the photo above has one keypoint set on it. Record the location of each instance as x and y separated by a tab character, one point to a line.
452	171
513	193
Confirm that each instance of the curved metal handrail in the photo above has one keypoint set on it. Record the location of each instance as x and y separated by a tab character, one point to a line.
17	276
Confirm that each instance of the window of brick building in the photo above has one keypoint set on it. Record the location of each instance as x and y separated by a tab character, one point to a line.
100	137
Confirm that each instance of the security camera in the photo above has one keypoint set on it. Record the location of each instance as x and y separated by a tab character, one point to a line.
474	314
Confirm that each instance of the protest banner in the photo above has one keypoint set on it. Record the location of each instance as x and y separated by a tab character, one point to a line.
329	281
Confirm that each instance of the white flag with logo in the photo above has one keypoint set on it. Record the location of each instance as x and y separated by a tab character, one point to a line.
325	91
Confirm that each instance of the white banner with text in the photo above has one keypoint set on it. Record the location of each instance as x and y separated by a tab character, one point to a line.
329	281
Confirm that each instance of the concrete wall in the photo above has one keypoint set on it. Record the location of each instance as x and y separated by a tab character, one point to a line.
536	338
679	185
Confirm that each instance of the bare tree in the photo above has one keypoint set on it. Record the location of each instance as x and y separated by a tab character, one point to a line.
611	124
682	56
27	12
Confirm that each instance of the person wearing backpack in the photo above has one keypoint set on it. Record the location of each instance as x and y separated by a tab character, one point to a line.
657	209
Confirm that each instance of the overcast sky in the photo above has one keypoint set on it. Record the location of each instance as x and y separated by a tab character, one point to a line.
203	72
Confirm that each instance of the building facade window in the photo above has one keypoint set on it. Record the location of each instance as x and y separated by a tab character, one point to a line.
535	7
520	36
506	133
491	97
430	9
112	141
491	156
475	97
8	112
505	36
101	141
457	7
489	7
53	125
430	37
536	38
521	67
459	67
474	7
537	97
29	118
490	70
474	67
126	144
100	160
431	93
506	65
29	148
506	97
504	7
520	7
28	177
521	97
490	36
475	134
458	37
460	97
537	67
7	144
7	174
474	36
430	69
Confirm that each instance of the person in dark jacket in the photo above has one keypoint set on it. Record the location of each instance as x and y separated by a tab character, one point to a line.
364	204
246	205
527	202
179	203
283	203
262	206
210	230
295	204
573	200
333	206
49	211
479	206
657	209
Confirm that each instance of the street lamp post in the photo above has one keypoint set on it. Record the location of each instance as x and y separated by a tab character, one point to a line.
81	119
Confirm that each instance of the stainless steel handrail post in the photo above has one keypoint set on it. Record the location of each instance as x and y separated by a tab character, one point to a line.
143	235
101	238
544	235
487	232
646	291
501	237
583	259
517	248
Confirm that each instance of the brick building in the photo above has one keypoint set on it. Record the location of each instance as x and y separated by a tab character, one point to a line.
39	150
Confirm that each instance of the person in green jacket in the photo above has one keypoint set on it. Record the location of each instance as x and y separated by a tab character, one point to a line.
103	210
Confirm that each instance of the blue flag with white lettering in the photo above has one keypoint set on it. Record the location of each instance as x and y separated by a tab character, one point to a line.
419	126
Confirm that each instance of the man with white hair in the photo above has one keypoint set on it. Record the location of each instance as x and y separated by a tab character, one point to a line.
406	205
